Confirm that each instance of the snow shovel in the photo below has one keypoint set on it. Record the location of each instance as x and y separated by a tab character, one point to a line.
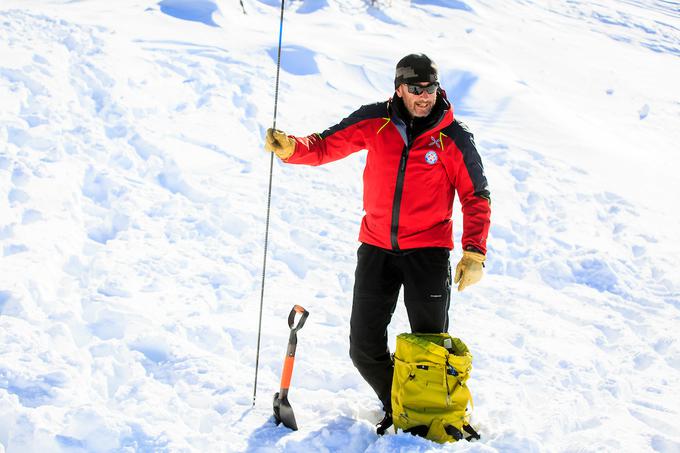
283	413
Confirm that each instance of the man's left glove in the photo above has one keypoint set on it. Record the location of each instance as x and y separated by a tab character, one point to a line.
469	269
279	143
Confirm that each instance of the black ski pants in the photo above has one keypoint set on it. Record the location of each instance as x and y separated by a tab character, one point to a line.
425	275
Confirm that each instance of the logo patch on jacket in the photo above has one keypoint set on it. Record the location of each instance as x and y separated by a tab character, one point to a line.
431	157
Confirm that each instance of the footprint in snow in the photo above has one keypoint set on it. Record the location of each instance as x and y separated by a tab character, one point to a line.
31	216
20	176
17	196
643	361
13	249
644	111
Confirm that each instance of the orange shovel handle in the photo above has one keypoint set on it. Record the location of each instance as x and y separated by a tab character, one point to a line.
289	361
287	372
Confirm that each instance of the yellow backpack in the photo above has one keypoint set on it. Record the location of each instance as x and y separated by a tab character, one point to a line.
429	394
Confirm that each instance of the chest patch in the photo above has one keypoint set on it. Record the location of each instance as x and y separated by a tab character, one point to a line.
431	157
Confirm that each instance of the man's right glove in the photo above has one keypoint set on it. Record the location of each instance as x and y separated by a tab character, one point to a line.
279	143
469	269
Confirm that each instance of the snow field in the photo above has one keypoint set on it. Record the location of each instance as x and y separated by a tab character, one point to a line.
133	214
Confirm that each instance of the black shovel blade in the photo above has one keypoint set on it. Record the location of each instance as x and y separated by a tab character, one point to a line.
283	413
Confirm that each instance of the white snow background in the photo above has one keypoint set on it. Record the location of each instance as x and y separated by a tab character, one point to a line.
133	194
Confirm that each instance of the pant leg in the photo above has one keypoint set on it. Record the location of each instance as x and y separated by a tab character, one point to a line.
427	289
376	287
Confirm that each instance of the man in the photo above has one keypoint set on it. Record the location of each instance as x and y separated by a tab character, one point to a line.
418	157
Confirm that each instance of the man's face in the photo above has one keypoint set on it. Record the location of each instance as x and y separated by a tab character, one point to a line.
418	105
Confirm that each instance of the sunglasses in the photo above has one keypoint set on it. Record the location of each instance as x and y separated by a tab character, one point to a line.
418	90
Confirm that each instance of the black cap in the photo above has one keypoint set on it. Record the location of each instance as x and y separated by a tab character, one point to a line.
415	68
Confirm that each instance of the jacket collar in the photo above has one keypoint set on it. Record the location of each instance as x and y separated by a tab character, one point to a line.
408	127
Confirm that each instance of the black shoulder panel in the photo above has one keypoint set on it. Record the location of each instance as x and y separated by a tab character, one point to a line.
465	141
377	110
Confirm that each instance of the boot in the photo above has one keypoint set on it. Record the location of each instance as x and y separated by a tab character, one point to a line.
384	424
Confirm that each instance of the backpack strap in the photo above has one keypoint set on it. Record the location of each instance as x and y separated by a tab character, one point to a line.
420	430
472	433
453	432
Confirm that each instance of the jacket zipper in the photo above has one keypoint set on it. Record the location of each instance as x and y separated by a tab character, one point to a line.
398	191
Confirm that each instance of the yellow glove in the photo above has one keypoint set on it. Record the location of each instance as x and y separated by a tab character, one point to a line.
279	143
469	269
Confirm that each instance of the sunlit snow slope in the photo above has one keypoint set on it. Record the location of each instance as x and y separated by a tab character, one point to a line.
133	194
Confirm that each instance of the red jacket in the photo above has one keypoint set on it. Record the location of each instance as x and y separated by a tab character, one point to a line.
409	182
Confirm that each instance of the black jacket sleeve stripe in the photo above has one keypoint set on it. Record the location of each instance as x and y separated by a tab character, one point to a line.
377	110
473	162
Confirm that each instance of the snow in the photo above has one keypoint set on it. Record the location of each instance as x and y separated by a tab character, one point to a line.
133	191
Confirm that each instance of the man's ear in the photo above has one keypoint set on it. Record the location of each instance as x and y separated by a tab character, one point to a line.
399	90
